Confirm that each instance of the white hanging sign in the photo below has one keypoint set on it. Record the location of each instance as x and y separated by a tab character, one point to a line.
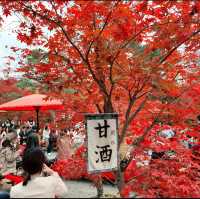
102	142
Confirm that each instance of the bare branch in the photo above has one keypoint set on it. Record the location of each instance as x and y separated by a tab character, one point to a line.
143	94
179	44
53	6
98	108
140	107
140	139
133	115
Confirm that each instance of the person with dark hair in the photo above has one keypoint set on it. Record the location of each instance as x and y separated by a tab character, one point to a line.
157	155
23	135
45	135
198	118
29	131
11	135
52	141
31	123
32	142
40	180
8	157
3	134
8	123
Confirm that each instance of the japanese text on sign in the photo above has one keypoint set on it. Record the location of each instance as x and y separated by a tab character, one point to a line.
102	142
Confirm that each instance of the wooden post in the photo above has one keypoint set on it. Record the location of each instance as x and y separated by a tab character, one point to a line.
100	187
37	115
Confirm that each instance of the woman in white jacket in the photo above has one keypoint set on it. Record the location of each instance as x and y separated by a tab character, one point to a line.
40	181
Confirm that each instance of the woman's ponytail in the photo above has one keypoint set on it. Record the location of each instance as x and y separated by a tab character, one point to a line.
27	178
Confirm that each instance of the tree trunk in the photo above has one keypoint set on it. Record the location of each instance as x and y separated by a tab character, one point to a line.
108	108
119	173
119	180
99	188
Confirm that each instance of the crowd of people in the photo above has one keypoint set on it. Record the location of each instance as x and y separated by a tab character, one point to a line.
24	152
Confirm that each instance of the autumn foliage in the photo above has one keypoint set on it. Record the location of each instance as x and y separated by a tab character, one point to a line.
11	91
75	168
175	174
137	58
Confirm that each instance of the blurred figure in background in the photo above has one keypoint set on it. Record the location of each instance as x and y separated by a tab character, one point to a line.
8	157
31	123
3	133
52	141
64	146
23	135
45	135
33	141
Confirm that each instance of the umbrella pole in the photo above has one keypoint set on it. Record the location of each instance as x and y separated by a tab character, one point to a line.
37	115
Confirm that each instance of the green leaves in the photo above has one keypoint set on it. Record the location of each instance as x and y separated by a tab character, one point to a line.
136	46
31	59
70	91
155	53
26	83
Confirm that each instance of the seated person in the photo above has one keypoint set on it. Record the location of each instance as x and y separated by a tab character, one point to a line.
23	135
40	180
33	141
11	135
8	157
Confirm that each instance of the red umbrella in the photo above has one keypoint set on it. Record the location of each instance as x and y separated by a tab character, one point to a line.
34	102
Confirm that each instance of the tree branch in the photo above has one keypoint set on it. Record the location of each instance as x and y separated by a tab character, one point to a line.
178	45
53	6
124	45
139	140
143	94
58	23
105	24
140	107
98	108
128	120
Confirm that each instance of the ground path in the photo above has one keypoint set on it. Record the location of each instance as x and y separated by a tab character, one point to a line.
85	189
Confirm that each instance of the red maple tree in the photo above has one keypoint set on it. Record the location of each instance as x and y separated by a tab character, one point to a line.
137	58
10	91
